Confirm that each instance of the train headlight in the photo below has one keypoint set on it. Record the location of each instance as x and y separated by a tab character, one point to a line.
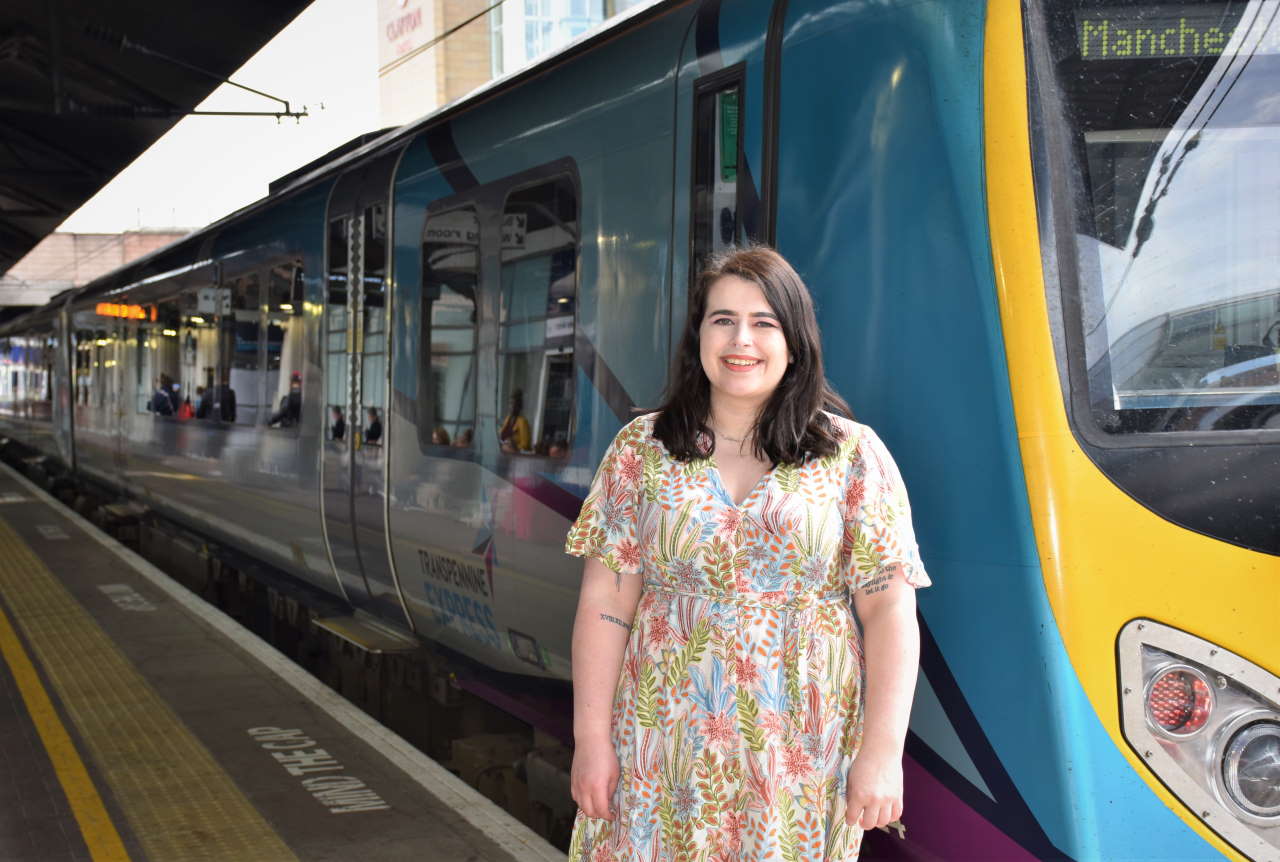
1251	769
1207	722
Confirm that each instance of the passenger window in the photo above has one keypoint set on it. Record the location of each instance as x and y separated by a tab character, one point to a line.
284	345
101	356
240	386
451	276
88	377
8	381
536	318
82	372
336	386
717	223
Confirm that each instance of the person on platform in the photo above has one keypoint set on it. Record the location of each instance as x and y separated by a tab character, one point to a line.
162	400
514	434
719	701
337	424
204	402
290	412
226	401
373	431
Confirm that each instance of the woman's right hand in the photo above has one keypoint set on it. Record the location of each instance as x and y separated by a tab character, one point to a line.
593	778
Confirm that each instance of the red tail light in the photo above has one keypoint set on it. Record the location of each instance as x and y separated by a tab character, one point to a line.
1179	701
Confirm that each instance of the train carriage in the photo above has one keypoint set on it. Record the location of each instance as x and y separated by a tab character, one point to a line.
1042	243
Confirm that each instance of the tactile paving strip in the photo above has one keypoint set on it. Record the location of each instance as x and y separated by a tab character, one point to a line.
179	802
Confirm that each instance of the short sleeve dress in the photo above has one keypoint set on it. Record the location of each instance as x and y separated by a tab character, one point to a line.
738	710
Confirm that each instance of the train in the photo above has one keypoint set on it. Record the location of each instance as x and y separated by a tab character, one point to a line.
1041	240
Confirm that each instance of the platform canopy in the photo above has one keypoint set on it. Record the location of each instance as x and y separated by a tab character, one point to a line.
86	86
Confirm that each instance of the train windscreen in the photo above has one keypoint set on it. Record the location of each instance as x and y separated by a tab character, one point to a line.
1169	141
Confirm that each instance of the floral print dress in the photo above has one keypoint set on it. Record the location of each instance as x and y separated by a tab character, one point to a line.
738	710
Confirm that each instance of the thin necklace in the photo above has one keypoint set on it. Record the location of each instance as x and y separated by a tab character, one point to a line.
726	436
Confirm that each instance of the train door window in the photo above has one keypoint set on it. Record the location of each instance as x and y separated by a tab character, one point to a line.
536	318
717	154
451	275
87	340
284	345
7	383
336	386
373	305
199	334
100	376
83	343
141	367
50	349
9	379
240	391
163	376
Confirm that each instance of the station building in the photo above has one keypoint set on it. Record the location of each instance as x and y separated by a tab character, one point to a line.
432	52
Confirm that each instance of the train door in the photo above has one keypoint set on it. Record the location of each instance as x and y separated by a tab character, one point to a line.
114	362
353	467
335	464
64	388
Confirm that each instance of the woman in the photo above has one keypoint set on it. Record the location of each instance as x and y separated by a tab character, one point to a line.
514	434
718	702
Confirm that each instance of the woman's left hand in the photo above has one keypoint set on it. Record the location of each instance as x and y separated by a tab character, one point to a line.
874	793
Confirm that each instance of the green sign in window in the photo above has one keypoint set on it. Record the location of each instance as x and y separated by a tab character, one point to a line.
729	136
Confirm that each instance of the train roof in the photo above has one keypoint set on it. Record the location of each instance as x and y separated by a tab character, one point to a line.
366	146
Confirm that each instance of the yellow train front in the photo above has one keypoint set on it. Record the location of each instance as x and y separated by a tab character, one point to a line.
1146	385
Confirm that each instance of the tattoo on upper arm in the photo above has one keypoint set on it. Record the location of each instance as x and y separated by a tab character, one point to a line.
615	621
878	584
617	580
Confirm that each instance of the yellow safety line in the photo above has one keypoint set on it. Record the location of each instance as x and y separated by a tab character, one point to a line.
178	800
99	832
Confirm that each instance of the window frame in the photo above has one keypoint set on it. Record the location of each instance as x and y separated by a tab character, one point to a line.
428	421
538	404
709	86
489	203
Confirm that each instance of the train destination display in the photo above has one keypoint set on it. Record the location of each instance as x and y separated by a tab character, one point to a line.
1166	32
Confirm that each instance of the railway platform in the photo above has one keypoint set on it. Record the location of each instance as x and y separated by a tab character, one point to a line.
138	723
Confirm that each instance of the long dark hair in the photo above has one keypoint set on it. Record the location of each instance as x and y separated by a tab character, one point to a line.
796	427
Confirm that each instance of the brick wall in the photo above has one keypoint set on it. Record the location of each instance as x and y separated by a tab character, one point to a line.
64	260
467	61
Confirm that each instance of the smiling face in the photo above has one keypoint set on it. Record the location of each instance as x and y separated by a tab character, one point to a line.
741	344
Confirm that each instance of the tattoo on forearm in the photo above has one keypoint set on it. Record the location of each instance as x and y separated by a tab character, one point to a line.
615	621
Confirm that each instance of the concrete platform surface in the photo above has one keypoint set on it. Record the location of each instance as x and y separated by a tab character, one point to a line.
137	722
